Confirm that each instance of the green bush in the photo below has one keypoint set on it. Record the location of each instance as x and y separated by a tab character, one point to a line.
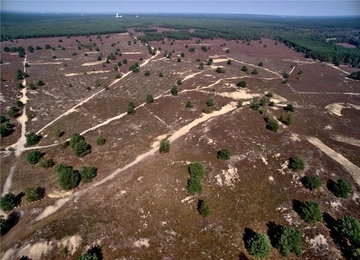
297	163
260	64
194	186
43	163
131	109
164	146
34	194
349	227
224	154
239	104
289	240
174	90
254	103
149	98
289	107
258	246
82	148
68	178
8	201
87	173
340	189
147	73
244	69
312	182
242	84
255	72
210	102
310	212
286	119
100	140
272	124
189	104
196	170
203	208
34	157
32	138
220	70
75	138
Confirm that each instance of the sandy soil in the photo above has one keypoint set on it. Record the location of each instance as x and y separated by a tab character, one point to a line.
349	166
347	140
90	72
336	108
92	63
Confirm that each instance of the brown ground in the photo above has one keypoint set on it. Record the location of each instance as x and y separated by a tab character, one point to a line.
146	201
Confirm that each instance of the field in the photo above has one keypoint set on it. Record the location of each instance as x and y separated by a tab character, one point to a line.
138	207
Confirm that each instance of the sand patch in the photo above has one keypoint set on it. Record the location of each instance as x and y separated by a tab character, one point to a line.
51	209
46	63
142	242
336	108
132	52
228	177
90	72
60	194
349	166
295	137
238	94
158	140
220	60
35	252
92	63
71	243
319	240
347	140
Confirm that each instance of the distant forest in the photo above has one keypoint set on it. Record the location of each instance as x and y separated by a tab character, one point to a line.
316	37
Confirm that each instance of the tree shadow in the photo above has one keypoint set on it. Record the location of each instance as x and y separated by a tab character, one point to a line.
18	198
24	258
10	222
274	232
97	251
242	256
248	234
331	184
303	180
296	205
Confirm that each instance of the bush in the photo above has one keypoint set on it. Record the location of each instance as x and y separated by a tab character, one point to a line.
310	212
258	246
57	131
147	73
289	240
196	170
100	140
349	227
239	104
255	72
82	148
131	109
269	94
161	75
242	84
43	163
68	178
5	129
194	186
340	189
312	182
260	64
289	107
189	104
149	98
34	194
174	90
164	146
32	138
87	173
75	138
228	62
8	202
254	103
203	208
224	154
179	82
12	112
272	124
286	119
220	70
210	102
244	69
297	163
34	156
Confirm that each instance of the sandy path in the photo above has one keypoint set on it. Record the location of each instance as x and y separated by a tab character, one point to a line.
291	71
336	108
82	73
249	64
175	135
347	140
7	184
349	166
92	63
333	66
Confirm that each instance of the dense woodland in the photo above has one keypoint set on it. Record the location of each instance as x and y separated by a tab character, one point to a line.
309	35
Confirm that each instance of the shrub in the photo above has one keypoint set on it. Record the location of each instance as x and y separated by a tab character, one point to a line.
147	73
239	104
75	138
34	194
179	82
32	138
57	131
286	119
224	154
6	129
189	104
43	163
258	246
164	146
203	208
289	107
228	62
312	182
254	103
196	170
220	70
289	240
310	212
242	84
131	109
244	69
194	186
272	124
349	227
263	101
260	64
149	98
100	140
340	189
269	94
12	112
8	201
174	90
87	173
210	102
34	156
255	72
68	178
297	163
161	75
82	148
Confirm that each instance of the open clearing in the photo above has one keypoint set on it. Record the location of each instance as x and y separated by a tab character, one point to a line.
137	207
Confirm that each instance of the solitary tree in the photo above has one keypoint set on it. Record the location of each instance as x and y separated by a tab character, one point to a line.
312	182
189	104
289	240
224	154
8	201
34	157
297	163
203	208
174	90
258	246
340	189
310	212
149	98
242	84
32	138
244	69
164	146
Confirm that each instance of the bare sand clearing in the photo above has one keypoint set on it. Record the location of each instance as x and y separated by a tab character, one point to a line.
347	140
228	177
349	166
219	60
239	94
35	252
45	63
7	184
336	108
51	209
82	73
60	194
92	63
142	242
132	52
71	243
158	140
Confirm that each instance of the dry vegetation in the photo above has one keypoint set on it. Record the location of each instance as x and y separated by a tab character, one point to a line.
138	206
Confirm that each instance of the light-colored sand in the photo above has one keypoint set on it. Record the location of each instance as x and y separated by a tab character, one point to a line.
71	243
7	184
92	63
219	60
35	252
336	108
191	75
132	52
142	242
158	140
295	137
318	241
59	194
239	94
90	72
229	177
347	140
45	63
349	166
52	208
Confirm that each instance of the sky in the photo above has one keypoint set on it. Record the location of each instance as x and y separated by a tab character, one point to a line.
264	7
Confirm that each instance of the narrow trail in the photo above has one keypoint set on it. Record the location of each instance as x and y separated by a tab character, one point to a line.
349	166
249	64
333	66
175	135
7	184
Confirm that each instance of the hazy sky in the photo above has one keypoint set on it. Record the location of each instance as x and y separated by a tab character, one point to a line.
285	7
